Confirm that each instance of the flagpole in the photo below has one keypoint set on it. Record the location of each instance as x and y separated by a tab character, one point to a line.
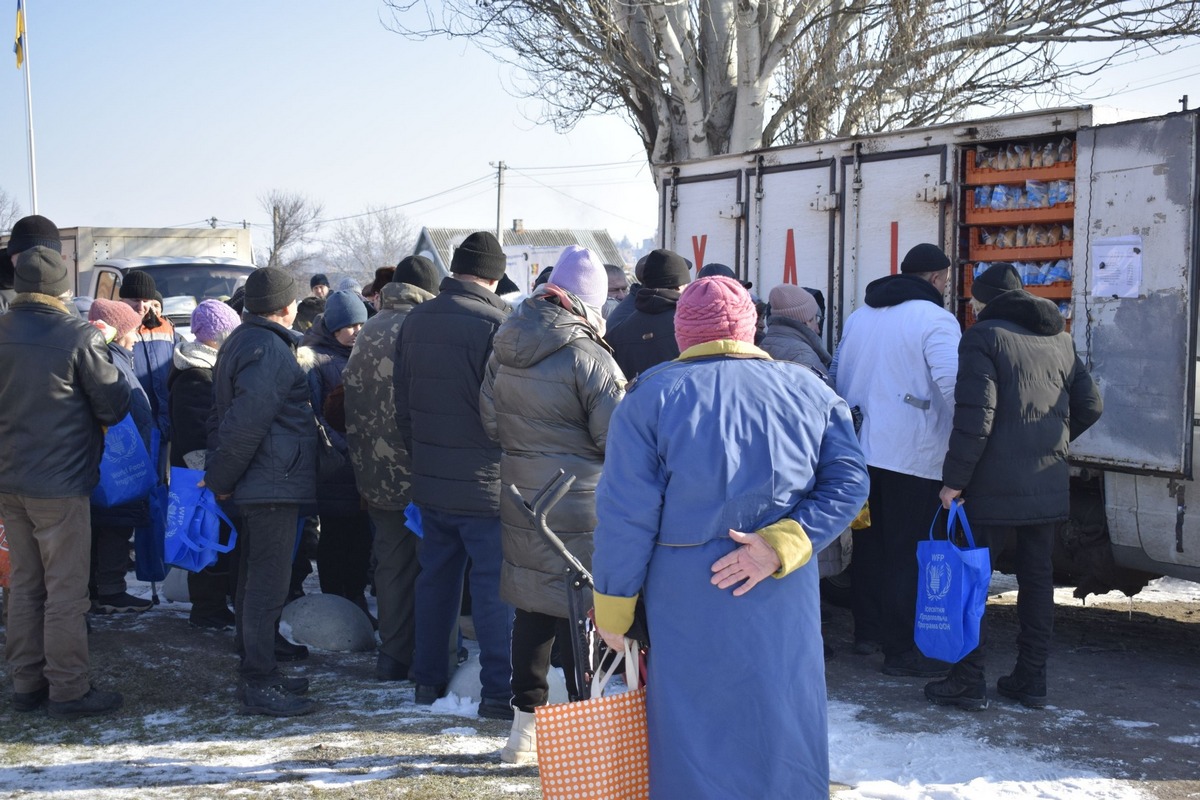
33	198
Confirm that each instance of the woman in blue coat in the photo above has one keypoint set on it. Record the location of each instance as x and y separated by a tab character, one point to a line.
724	472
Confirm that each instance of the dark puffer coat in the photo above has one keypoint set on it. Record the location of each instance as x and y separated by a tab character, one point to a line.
647	336
325	359
442	353
58	388
551	387
1021	395
190	388
266	435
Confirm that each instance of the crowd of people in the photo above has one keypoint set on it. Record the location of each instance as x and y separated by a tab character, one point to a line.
716	445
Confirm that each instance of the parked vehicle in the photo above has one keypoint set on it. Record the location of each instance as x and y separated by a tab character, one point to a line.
1100	218
188	264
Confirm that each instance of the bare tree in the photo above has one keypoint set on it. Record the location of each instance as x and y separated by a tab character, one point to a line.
10	210
701	77
295	220
377	238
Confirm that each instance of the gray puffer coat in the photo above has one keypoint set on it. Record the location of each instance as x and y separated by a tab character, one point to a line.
550	389
789	340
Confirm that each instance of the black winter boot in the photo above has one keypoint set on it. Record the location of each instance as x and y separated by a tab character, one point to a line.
1027	687
957	690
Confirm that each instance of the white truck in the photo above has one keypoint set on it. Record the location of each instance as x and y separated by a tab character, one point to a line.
1101	218
188	264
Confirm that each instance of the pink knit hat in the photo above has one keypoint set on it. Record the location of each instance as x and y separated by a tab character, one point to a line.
116	314
711	309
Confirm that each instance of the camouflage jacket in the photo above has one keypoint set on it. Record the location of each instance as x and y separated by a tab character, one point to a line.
381	465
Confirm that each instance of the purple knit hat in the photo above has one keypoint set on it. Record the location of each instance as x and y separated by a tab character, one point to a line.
711	309
581	272
212	321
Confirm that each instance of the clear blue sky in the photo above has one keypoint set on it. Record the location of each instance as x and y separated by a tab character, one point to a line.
151	113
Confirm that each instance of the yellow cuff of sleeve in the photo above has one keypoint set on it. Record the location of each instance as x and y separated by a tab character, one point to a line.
790	543
863	520
614	614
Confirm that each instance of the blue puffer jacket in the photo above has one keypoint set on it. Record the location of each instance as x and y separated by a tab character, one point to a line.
266	435
325	359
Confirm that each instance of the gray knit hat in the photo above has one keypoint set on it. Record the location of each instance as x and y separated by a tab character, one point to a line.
41	269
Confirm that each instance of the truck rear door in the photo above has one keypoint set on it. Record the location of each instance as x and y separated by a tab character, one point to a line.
703	217
792	226
892	201
1134	295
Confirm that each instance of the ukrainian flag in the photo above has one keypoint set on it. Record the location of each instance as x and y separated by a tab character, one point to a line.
19	39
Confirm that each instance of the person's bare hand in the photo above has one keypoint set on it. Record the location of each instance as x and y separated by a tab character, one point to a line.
948	496
747	565
615	641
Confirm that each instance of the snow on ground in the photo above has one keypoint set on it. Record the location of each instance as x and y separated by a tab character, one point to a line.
956	765
875	763
1160	590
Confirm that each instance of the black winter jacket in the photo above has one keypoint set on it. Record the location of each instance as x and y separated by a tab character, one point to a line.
59	387
1021	395
441	355
266	435
647	336
551	388
337	494
190	389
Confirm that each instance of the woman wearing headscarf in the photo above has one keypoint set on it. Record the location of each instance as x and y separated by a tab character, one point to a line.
724	472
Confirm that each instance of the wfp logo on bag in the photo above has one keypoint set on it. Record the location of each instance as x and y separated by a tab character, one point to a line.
176	514
122	441
937	578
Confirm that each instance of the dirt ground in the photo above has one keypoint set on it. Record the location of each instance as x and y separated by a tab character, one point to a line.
1125	702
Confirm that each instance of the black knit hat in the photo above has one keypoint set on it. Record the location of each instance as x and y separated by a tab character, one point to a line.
269	289
665	270
721	270
995	281
417	271
41	269
138	285
924	258
318	280
479	255
32	231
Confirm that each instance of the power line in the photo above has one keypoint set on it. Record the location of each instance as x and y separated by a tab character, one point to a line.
577	200
408	203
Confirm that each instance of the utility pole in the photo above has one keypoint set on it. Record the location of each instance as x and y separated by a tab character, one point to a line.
212	222
1183	102
500	167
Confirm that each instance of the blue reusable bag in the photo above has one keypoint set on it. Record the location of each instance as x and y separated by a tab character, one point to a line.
193	530
148	539
952	584
126	468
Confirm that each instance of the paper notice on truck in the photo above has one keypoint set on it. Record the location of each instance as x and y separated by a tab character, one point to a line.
1117	267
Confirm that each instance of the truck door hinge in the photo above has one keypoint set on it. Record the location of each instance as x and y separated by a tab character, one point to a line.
938	193
734	211
826	202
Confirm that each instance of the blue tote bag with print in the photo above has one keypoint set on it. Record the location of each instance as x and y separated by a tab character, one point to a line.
193	530
126	468
952	584
148	539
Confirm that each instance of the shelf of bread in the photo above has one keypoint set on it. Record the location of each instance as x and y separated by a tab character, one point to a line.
1011	164
1063	212
1009	244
